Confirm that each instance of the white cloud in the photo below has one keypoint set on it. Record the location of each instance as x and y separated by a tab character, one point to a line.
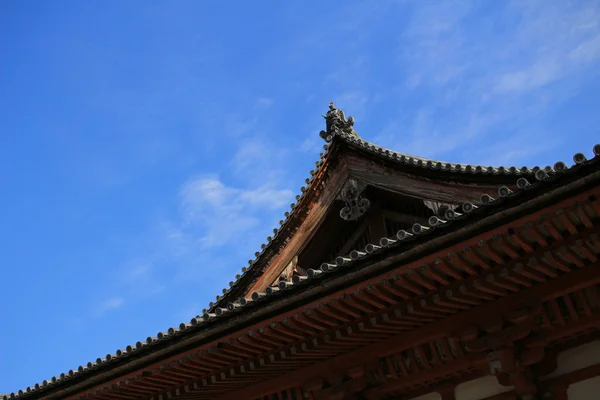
138	271
545	42
355	100
138	279
220	212
263	103
586	51
110	304
208	192
271	198
488	78
531	77
311	143
259	162
236	127
251	154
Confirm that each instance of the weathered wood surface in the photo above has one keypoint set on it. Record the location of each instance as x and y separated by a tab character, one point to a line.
307	229
348	246
403	218
327	239
376	222
388	178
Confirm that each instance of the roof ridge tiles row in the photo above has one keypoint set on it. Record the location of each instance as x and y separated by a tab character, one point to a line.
432	164
342	262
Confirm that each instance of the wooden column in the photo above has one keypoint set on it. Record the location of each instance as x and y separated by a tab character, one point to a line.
376	223
447	393
559	391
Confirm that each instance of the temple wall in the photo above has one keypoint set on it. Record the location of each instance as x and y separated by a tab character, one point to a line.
585	390
578	358
430	396
568	361
480	388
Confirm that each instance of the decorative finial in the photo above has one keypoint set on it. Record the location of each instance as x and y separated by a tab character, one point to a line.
336	123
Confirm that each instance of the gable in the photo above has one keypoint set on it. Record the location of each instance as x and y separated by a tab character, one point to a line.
360	213
313	232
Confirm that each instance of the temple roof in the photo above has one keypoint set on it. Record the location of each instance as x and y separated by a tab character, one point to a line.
524	188
340	133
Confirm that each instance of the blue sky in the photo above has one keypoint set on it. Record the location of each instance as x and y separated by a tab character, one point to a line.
147	148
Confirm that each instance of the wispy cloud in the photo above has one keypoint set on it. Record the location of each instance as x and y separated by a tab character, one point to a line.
235	202
110	304
220	212
263	103
489	78
139	280
560	40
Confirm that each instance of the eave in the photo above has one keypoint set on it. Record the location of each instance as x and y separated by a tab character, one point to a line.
167	346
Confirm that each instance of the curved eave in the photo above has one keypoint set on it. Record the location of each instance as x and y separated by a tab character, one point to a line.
418	239
442	170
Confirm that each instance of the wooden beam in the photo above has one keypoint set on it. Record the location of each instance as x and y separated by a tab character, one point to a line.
557	385
307	229
391	179
319	247
463	364
376	222
403	218
447	393
577	376
559	391
575	280
347	247
572	328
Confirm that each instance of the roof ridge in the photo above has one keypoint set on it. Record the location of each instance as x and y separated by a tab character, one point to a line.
433	164
338	126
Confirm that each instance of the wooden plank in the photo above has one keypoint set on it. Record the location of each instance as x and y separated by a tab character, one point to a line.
348	246
307	229
319	248
404	218
391	179
376	222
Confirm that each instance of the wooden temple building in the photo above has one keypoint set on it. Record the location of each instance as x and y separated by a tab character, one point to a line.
391	277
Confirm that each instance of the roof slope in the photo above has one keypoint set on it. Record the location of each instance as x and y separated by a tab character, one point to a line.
341	136
529	184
